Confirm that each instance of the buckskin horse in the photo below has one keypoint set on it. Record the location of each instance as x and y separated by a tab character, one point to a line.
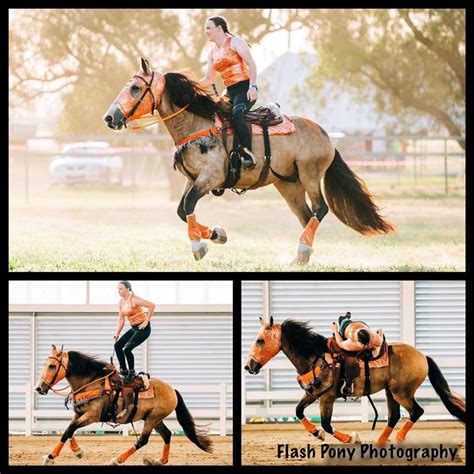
92	394
189	114
309	351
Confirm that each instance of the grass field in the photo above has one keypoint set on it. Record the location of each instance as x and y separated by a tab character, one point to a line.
89	229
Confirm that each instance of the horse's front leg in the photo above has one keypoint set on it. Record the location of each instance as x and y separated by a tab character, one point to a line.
196	231
326	405
309	427
77	422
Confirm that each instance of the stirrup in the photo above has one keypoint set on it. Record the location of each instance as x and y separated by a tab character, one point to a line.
247	159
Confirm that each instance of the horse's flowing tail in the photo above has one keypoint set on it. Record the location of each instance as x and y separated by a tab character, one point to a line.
350	200
185	419
452	401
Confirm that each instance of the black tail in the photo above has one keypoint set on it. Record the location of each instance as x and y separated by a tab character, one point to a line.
452	401
350	200
185	419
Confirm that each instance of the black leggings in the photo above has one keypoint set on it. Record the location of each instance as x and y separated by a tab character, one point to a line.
240	106
125	345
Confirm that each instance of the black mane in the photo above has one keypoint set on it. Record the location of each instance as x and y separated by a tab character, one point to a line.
302	339
82	365
181	91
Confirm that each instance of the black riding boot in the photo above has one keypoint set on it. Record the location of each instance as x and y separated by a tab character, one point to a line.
342	318
247	159
130	376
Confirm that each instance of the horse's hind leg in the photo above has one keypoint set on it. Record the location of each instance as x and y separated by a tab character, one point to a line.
415	411
165	433
393	417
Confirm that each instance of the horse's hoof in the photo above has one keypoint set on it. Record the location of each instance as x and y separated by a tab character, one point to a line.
355	438
303	255
47	460
199	249
320	434
149	461
79	453
218	235
114	462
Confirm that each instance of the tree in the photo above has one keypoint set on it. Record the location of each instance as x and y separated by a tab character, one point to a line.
413	61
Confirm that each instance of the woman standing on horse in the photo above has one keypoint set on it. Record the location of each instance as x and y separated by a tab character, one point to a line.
131	307
231	57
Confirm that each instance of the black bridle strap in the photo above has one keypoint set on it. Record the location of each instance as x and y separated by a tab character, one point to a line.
148	89
57	371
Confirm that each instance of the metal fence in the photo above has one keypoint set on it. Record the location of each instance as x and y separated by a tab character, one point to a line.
147	162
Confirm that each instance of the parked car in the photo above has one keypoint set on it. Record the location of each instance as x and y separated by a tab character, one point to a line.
86	162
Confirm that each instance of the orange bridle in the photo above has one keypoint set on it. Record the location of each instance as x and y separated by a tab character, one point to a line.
51	379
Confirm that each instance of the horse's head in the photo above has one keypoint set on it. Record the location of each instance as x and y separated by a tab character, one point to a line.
54	370
140	96
266	346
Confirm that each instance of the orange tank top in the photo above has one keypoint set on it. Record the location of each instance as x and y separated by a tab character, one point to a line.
134	314
229	63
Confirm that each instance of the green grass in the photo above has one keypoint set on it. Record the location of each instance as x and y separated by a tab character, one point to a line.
93	230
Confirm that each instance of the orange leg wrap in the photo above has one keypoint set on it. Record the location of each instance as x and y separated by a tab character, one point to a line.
344	438
310	427
383	438
197	231
57	449
74	445
402	432
124	456
307	236
165	454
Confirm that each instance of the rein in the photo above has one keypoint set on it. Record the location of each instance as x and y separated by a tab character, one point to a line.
138	127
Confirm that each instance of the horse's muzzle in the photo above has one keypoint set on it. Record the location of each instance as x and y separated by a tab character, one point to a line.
114	118
42	388
252	367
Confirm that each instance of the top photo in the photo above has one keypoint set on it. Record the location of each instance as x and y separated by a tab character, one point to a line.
237	140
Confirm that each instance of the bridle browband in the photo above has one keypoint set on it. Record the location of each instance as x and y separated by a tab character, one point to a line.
148	89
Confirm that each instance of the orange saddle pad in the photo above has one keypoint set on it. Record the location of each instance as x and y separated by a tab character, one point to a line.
284	128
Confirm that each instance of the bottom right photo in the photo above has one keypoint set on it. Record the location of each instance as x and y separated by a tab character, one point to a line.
353	372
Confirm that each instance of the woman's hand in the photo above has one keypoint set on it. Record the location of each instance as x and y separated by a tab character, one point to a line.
116	336
144	324
252	94
335	327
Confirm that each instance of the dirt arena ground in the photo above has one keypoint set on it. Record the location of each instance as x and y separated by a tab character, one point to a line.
260	443
100	449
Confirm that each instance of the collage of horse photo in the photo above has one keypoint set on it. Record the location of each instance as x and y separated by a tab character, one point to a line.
138	138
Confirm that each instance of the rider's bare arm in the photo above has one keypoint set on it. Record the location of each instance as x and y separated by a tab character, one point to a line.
244	52
120	324
348	345
208	79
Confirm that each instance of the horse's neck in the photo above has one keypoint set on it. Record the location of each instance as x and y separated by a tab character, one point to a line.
77	382
300	363
184	124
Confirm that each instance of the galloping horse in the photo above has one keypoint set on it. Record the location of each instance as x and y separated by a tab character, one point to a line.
86	376
307	351
188	113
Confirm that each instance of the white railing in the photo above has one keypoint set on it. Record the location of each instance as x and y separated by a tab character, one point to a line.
343	411
33	416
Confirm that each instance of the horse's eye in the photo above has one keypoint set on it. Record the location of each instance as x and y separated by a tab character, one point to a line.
260	342
51	367
135	91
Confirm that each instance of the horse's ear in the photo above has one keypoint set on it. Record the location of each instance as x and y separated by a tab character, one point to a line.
145	66
61	350
261	320
53	348
271	320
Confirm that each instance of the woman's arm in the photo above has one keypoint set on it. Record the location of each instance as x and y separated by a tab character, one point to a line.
244	52
208	79
137	301
120	323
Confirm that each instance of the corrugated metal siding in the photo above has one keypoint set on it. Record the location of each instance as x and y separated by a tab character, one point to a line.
252	309
19	358
321	302
440	310
191	350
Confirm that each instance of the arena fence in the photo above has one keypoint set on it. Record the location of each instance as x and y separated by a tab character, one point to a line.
30	420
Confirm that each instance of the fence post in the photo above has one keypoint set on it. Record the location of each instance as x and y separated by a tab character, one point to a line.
28	409
222	409
445	166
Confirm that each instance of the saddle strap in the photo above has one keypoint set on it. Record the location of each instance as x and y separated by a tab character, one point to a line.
135	404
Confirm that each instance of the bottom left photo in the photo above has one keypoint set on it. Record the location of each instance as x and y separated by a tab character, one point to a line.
120	372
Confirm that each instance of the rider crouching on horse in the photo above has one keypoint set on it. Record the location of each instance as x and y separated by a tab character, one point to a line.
356	336
231	57
131	307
